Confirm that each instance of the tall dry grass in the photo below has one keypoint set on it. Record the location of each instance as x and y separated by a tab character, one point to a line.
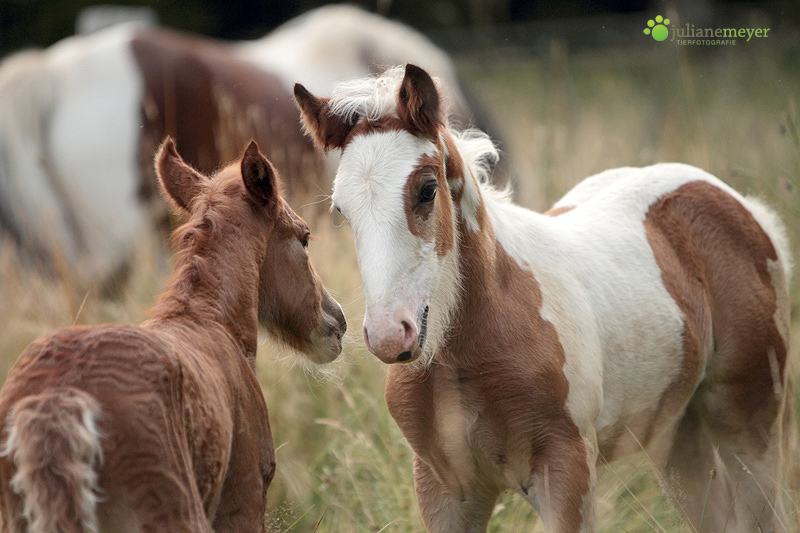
342	463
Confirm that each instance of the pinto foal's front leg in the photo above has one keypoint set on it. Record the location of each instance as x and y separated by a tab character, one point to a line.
560	495
560	482
563	502
444	512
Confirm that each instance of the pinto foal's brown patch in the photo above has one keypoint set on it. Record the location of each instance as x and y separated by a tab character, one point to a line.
432	221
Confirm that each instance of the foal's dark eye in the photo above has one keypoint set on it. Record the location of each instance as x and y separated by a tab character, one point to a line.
428	192
305	240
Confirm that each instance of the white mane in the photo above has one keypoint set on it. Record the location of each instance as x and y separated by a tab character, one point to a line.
478	152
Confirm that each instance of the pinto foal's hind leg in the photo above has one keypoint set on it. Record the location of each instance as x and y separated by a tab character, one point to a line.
724	476
752	458
695	478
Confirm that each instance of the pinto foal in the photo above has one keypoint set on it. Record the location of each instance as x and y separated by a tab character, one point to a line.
649	309
163	427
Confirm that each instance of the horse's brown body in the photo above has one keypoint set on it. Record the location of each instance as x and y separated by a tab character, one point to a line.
184	431
212	101
164	424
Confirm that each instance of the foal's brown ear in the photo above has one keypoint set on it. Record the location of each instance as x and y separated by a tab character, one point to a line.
418	101
326	129
179	181
260	177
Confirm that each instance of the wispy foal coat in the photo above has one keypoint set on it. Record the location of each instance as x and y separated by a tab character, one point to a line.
163	427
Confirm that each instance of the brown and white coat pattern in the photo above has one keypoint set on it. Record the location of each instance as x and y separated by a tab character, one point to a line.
648	309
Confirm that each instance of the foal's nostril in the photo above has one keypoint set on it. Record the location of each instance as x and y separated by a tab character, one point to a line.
408	330
403	357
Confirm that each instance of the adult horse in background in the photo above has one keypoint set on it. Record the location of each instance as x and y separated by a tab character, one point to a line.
647	310
163	427
340	42
80	120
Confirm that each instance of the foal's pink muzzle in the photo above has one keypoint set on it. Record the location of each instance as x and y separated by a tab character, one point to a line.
397	338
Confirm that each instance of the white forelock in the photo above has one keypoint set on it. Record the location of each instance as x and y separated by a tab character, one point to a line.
372	97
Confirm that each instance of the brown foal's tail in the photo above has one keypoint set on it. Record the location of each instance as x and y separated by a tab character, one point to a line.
54	443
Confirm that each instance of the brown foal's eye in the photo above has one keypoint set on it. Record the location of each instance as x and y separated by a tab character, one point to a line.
305	239
428	192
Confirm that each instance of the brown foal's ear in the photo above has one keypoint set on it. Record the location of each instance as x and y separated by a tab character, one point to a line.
260	177
179	181
418	101
326	129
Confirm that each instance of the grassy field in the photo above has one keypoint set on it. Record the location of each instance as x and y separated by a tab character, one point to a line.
342	463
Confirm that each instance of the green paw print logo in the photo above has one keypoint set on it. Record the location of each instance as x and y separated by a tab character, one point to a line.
660	31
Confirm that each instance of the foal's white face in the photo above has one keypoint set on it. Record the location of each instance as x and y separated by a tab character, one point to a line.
392	188
387	188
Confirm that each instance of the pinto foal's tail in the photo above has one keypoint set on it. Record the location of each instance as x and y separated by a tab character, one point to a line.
54	443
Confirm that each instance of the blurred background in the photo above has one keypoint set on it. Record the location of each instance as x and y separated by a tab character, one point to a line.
568	89
43	22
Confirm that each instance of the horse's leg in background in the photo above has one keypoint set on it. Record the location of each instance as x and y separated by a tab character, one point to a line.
742	400
445	512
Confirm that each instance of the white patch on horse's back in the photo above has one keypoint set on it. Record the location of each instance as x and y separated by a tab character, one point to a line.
82	92
636	189
94	140
340	42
